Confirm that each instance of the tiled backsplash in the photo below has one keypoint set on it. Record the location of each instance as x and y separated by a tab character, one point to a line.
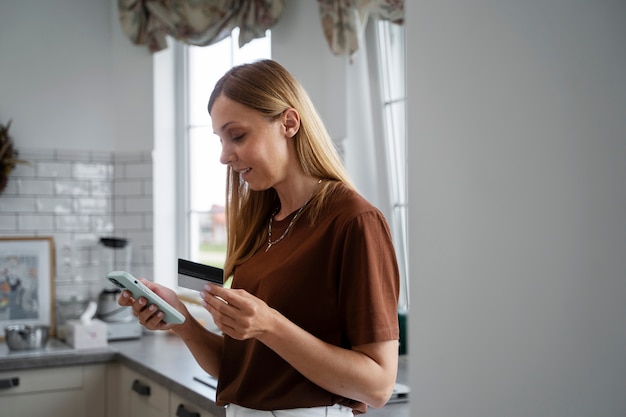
77	197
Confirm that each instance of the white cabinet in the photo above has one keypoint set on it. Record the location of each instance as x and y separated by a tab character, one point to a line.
73	391
134	395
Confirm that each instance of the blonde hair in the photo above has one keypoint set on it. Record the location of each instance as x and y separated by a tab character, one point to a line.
270	89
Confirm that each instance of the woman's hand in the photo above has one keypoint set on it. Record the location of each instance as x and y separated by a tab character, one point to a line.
148	314
236	312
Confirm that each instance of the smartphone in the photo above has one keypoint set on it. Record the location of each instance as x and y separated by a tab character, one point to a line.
126	281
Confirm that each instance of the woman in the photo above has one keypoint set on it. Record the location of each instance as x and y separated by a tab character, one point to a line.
309	325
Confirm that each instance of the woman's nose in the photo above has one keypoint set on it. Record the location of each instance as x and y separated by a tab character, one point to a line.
227	156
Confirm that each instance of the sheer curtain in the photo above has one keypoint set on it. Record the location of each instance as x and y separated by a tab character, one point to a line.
376	144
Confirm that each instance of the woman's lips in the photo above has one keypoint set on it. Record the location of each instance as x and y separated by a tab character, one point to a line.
244	173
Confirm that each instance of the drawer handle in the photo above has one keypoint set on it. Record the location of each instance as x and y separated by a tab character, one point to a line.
183	412
141	389
9	383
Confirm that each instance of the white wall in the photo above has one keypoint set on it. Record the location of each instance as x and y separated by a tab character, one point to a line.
69	78
517	162
298	43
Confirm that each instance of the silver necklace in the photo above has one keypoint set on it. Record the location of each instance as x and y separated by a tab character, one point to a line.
289	226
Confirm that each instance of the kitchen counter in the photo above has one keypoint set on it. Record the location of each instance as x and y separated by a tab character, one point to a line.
160	357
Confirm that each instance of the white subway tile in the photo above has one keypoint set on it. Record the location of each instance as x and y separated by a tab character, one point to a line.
24	171
17	204
102	224
92	205
54	204
54	170
128	188
8	222
35	222
119	205
101	188
138	205
125	222
72	187
27	186
95	170
73	222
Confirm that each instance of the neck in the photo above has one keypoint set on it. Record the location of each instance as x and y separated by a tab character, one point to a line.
294	201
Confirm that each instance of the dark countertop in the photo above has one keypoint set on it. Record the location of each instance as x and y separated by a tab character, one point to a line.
160	357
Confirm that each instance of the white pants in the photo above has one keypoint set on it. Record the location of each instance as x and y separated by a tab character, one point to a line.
233	410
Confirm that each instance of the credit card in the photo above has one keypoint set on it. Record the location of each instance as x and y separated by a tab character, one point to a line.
195	276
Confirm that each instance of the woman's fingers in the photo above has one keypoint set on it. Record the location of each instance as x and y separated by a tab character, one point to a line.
237	313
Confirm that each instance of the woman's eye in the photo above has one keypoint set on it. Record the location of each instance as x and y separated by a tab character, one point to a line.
237	138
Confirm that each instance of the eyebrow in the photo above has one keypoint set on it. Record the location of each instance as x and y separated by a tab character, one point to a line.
225	125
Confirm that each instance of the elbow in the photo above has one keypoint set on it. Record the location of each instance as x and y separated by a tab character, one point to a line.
381	397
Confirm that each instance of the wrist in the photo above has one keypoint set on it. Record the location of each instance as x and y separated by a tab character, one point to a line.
187	329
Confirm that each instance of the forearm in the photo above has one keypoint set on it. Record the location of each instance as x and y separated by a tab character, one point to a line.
204	345
367	373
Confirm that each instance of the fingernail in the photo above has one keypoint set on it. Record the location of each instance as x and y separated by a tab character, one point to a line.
125	294
151	308
207	288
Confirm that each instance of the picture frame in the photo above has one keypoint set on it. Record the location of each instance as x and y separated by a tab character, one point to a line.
27	282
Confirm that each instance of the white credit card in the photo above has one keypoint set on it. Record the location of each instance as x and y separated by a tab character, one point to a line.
195	276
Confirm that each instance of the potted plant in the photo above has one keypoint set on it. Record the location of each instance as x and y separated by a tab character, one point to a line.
8	155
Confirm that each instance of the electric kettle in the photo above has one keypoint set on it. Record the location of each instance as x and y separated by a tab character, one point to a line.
115	254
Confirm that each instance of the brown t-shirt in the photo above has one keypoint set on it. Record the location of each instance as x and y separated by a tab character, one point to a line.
337	279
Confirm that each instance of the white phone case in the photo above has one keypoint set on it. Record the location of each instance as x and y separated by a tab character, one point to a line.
126	281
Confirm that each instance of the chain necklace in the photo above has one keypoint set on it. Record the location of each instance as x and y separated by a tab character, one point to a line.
289	226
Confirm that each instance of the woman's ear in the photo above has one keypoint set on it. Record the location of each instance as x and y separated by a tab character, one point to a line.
291	122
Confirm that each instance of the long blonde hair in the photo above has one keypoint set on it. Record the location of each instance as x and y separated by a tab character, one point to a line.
267	87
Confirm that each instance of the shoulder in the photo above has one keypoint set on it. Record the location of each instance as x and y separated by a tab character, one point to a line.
346	204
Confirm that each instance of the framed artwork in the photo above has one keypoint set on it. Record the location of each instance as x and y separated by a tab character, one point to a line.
26	281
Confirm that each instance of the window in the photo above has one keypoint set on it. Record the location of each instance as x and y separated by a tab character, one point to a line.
203	178
391	47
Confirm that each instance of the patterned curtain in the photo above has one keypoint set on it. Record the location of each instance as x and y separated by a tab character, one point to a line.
196	22
203	22
343	21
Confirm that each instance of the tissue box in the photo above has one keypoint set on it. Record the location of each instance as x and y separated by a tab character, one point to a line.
90	335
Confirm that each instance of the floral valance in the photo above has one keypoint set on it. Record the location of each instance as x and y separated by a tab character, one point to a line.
343	21
203	22
196	22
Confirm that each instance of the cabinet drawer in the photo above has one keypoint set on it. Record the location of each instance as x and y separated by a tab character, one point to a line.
143	394
183	408
40	380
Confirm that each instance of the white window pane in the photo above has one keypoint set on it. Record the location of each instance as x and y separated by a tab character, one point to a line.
205	66
392	55
396	141
204	233
207	176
